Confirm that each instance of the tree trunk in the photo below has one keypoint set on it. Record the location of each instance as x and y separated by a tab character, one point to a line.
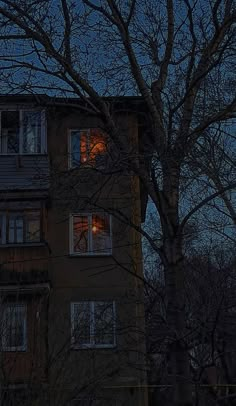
179	360
174	278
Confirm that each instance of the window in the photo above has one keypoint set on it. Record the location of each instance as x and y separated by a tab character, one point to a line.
20	227
91	234
12	395
14	327
22	132
202	355
93	324
87	147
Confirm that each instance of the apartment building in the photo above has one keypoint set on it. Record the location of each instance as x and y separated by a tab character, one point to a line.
72	326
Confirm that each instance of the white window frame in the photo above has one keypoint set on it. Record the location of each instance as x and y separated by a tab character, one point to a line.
6	216
8	308
92	343
43	132
90	251
70	152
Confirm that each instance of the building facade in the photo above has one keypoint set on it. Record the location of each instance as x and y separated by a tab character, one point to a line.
71	264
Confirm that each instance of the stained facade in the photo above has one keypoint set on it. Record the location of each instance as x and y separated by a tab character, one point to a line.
71	264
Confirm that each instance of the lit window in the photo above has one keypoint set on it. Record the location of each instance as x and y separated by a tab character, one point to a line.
87	147
20	227
14	327
22	132
93	324
91	234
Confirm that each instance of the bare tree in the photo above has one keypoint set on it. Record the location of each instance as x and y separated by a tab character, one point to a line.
178	57
45	364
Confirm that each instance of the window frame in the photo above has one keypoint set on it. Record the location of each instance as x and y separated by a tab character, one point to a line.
12	394
7	215
43	132
6	310
89	253
92	344
70	152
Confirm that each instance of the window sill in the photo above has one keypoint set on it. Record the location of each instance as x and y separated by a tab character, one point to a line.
82	165
97	169
90	255
23	245
14	349
24	154
93	347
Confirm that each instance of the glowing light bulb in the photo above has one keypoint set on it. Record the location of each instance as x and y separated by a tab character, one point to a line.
94	228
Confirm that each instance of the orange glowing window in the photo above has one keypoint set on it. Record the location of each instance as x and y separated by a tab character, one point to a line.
88	147
91	234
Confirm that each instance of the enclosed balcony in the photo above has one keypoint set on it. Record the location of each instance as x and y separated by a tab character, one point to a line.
23	149
23	235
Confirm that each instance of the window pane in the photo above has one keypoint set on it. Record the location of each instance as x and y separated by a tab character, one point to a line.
32	132
75	148
19	230
13	397
104	323
2	229
17	329
11	237
84	146
33	227
14	326
80	233
97	146
81	323
15	231
88	147
10	132
101	238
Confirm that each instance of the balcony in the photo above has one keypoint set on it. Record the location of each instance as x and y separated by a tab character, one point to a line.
24	258
22	284
23	149
24	172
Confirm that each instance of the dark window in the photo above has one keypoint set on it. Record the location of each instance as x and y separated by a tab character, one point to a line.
32	222
20	227
10	132
15	396
32	132
15	229
22	132
93	324
14	327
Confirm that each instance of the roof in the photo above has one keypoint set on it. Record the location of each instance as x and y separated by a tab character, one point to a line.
135	103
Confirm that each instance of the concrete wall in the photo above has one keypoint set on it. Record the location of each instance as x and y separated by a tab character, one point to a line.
116	372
